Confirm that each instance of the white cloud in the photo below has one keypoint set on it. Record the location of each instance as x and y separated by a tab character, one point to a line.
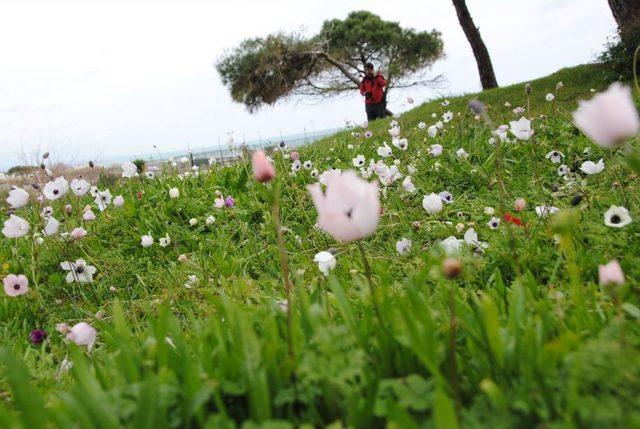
116	78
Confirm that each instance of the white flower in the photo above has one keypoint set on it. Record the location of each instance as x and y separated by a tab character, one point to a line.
422	125
394	131
212	161
174	193
78	271
103	199
296	165
129	169
518	110
555	156
439	125
118	201
432	130
451	245
307	165
408	185
51	227
88	215
403	246
489	211
432	203
610	119
544	211
359	161
446	197
83	334
617	217
93	191
80	187
411	169
209	220
447	116
193	221
401	144
563	170
435	150
384	150
589	167
314	173
494	222
151	175
192	279
329	174
17	198
445	103
55	189
521	128
164	241
146	240
462	154
549	97
15	227
326	262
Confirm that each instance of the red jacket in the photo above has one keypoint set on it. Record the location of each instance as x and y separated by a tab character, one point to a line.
374	86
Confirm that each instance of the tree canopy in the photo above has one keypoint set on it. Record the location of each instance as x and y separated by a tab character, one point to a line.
263	70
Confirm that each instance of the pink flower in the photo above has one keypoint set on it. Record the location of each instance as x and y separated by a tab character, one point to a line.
610	118
88	215
263	170
15	285
83	334
78	233
68	208
294	155
349	209
229	202
520	204
610	273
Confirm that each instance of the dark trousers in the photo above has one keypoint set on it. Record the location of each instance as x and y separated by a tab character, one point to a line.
375	111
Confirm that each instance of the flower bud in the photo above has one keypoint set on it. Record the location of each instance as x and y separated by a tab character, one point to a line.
520	204
451	268
263	170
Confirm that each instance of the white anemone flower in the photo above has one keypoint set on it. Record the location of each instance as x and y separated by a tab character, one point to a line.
79	271
555	156
118	201
408	185
422	125
403	246
451	245
164	241
51	227
146	240
521	128
432	203
590	167
435	150
359	161
56	188
384	150
462	154
15	227
447	116
326	261
80	187
563	170
432	130
494	222
82	334
394	131
402	144
617	217
174	193
545	211
549	97
129	169
103	199
17	198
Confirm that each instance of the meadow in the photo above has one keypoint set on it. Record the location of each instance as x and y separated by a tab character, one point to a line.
482	307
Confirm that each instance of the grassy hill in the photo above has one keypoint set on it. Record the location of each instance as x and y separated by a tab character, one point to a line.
195	334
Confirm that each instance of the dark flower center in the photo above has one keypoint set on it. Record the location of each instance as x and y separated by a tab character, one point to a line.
17	286
615	219
56	192
555	153
79	270
349	213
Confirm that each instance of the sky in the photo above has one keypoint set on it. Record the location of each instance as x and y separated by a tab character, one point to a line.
102	79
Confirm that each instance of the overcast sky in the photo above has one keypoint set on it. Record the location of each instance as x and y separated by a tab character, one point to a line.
96	80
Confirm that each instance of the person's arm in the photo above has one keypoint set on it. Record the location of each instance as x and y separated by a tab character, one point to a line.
380	80
362	88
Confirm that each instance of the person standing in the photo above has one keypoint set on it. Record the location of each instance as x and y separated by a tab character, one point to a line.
372	88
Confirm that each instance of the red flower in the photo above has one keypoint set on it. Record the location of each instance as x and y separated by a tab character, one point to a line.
512	219
139	195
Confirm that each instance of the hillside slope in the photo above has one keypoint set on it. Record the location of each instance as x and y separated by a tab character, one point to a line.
512	331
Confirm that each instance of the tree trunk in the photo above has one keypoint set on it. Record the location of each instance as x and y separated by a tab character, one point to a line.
485	68
627	16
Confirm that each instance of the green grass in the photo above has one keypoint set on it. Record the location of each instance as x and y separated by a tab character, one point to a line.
533	346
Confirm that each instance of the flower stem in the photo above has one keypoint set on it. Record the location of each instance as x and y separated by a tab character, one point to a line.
453	365
284	264
374	297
